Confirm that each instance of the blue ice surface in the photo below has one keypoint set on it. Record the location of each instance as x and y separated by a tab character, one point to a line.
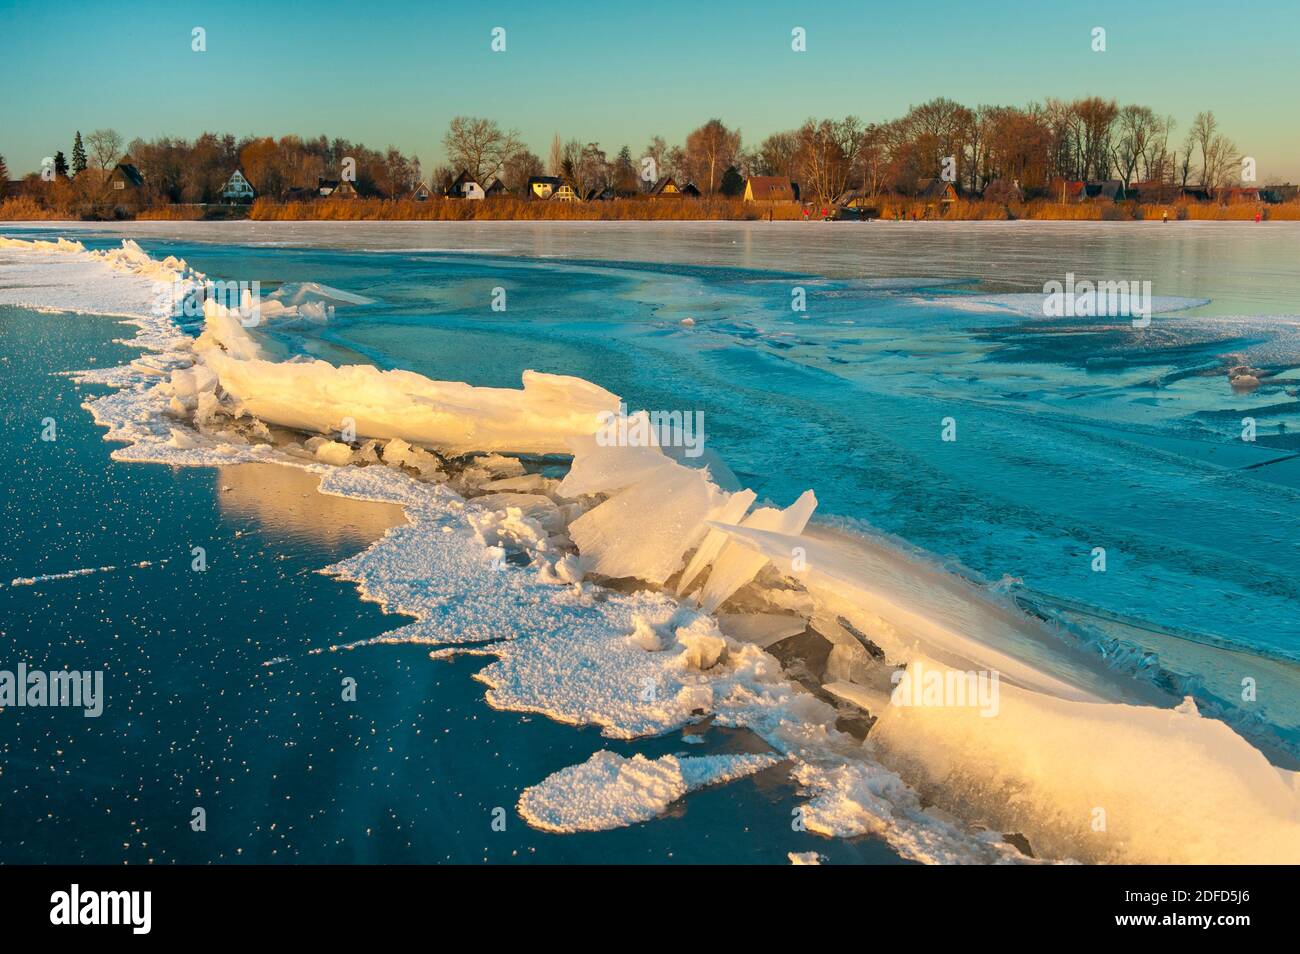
1073	434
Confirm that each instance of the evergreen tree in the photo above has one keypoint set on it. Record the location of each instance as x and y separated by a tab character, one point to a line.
60	164
624	173
4	176
733	183
78	156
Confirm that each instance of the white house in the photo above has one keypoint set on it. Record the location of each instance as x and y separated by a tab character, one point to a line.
465	187
238	189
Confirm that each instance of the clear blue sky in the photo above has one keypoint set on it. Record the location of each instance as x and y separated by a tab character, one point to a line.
395	72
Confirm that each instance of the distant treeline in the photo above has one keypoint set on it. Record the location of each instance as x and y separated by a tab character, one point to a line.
1035	145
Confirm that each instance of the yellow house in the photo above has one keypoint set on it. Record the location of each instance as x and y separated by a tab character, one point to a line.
665	188
542	187
768	189
936	190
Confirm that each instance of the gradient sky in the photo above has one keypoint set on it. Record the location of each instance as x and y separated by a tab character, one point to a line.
396	72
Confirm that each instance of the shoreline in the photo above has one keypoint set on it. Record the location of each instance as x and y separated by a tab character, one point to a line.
1241	214
881	208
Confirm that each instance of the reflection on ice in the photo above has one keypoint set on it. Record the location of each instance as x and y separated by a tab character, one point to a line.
286	500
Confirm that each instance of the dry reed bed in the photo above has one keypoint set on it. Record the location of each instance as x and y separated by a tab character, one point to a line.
26	208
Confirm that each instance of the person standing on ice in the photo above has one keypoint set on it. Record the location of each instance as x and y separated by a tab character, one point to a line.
1164	216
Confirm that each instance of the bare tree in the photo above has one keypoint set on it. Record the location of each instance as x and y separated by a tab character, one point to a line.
937	130
105	147
584	166
479	146
873	156
399	176
779	155
441	178
1093	124
709	150
1184	165
1137	126
519	168
1218	163
1158	159
555	163
1204	129
977	147
1143	142
828	152
1024	146
657	151
1218	153
1204	126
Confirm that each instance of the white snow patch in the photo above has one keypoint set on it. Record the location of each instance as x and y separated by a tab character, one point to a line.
610	791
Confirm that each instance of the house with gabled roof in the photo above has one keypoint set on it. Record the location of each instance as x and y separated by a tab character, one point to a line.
769	189
238	188
1067	190
541	187
1106	190
665	188
336	188
854	199
421	192
465	186
126	186
936	190
125	176
495	189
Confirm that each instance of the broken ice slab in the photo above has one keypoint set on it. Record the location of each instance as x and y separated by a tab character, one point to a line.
761	629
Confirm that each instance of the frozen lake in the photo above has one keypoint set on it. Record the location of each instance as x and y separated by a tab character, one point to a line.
1071	435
